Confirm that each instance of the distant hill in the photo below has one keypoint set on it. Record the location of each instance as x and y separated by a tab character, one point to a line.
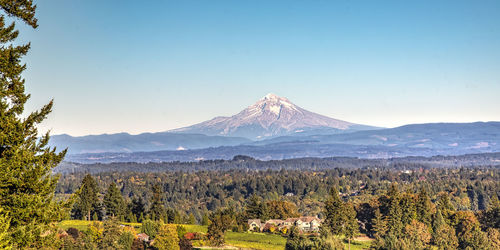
124	142
410	140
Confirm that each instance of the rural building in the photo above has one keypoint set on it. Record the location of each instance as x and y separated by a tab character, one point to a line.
305	223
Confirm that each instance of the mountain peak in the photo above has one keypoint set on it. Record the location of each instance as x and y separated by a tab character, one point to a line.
270	116
271	96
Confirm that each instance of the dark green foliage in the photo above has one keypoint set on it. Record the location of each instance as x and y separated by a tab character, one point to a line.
379	230
351	227
26	162
340	217
255	208
126	240
111	235
298	241
150	228
87	202
157	209
205	220
181	231
221	222
191	219
113	202
491	217
137	208
334	214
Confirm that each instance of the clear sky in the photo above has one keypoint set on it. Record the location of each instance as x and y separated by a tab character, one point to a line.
144	66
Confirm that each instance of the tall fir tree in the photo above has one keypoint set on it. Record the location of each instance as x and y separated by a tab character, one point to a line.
137	207
424	207
351	227
395	214
26	162
443	235
114	202
379	230
157	209
87	203
334	212
255	208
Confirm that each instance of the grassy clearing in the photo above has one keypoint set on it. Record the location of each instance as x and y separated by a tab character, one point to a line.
362	243
358	245
78	224
255	240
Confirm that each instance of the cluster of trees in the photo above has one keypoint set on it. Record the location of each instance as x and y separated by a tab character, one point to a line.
197	193
90	204
400	220
310	163
395	219
404	220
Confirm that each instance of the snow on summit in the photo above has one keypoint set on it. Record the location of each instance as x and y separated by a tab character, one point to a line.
270	116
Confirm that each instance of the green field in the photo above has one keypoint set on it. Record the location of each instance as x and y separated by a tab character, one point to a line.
240	240
255	240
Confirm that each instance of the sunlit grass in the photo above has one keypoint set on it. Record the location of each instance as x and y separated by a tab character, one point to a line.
255	240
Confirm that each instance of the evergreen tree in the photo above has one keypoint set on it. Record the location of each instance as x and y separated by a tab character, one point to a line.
87	202
205	221
137	207
379	229
334	214
491	217
150	228
255	208
351	228
114	202
167	238
191	219
417	235
395	226
221	222
438	221
111	235
443	235
157	210
26	162
408	209
424	207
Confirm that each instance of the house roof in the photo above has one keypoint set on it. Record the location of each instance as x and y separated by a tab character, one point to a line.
275	221
308	218
254	220
143	237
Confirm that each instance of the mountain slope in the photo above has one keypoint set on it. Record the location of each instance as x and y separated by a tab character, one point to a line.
269	117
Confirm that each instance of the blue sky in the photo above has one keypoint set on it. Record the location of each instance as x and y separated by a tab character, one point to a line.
120	66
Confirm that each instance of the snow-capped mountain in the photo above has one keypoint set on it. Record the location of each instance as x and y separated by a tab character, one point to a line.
269	117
